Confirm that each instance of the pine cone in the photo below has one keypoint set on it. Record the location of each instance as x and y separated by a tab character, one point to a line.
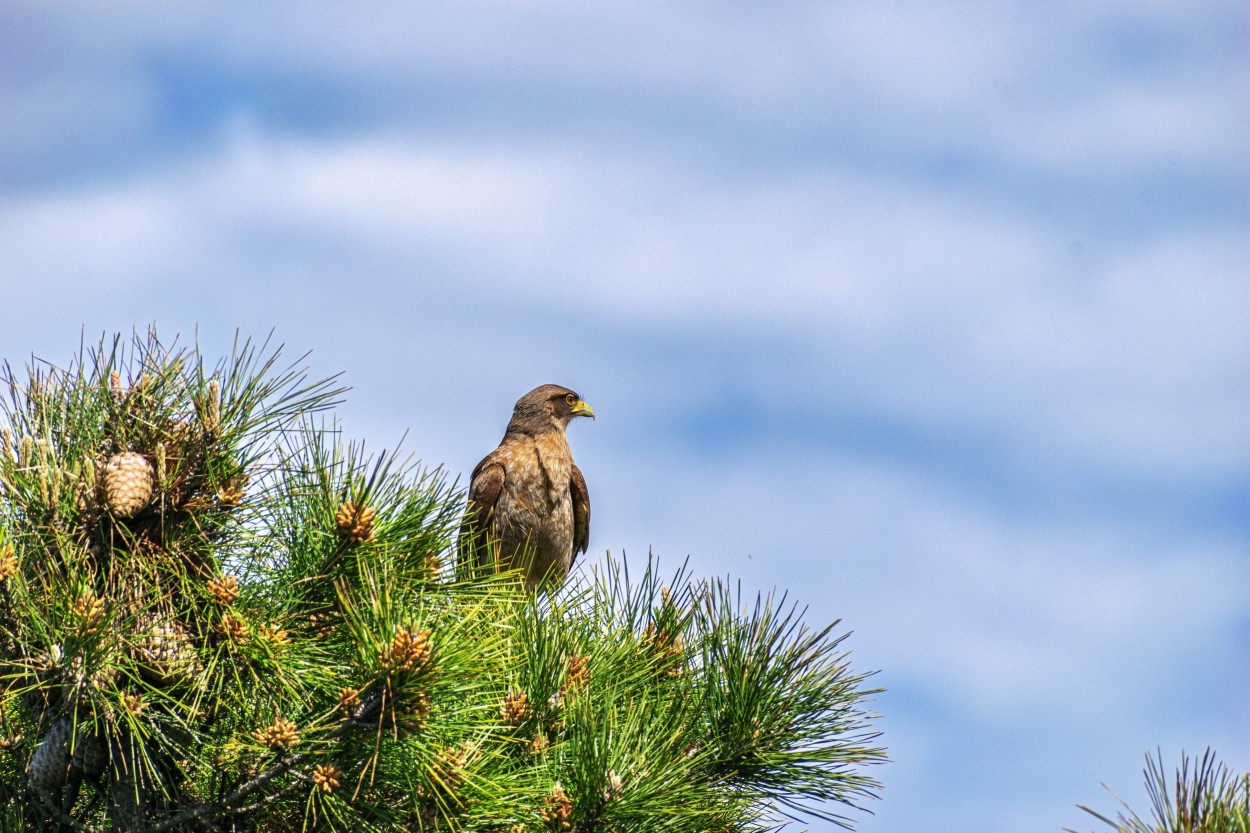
91	755
163	650
128	479
50	764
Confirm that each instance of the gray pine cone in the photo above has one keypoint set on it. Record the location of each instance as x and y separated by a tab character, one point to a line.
49	766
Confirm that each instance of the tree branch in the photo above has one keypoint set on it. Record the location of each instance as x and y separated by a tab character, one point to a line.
226	806
230	805
300	780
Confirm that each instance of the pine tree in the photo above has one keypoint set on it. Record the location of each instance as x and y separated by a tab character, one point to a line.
216	615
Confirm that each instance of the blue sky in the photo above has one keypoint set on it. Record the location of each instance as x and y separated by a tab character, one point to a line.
933	314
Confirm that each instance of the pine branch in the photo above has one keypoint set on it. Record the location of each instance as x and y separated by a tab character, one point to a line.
230	804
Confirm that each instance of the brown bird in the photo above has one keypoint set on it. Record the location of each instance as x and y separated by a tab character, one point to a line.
528	506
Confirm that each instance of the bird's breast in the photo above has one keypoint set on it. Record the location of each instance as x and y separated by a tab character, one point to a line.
535	504
556	461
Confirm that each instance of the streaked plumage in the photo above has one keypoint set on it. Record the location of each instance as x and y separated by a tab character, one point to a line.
528	506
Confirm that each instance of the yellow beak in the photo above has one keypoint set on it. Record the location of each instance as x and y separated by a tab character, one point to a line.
582	409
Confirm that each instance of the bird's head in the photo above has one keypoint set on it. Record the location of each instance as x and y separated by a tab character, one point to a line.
547	408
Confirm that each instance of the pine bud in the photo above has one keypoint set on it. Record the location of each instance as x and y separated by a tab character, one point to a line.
349	700
559	809
8	562
160	465
666	646
578	673
326	777
89	612
614	786
448	769
224	589
516	708
45	489
231	494
408	651
273	636
212	422
414	713
234	628
132	703
355	522
433	562
88	485
278	735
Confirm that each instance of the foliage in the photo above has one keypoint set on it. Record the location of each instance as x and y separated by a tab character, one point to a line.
217	615
1204	799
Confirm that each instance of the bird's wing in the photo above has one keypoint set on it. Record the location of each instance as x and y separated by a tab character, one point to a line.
581	513
485	484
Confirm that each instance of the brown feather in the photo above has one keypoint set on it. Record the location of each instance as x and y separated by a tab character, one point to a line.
581	514
484	487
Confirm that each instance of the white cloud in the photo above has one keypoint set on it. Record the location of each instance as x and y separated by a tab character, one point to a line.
1043	90
959	311
93	242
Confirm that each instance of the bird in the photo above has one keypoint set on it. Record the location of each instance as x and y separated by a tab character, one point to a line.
528	507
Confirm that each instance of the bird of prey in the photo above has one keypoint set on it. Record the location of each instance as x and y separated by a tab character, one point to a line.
528	507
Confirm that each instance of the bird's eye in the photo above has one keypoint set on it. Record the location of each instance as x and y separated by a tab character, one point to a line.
571	399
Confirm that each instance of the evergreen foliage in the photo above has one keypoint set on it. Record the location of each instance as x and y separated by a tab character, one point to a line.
216	615
1206	798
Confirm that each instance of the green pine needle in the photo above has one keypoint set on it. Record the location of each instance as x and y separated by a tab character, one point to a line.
1204	797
